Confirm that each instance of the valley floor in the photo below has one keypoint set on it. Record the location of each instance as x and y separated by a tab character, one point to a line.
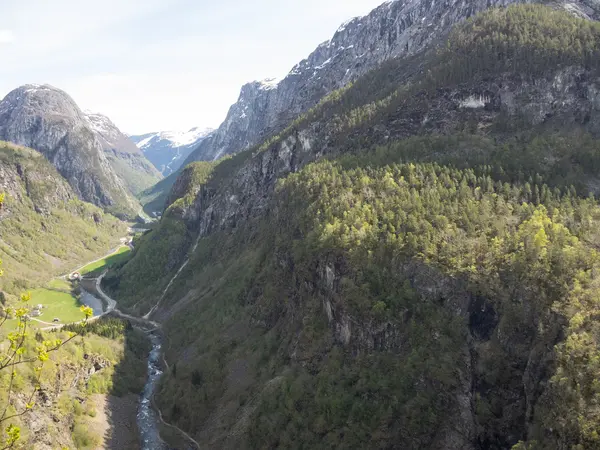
116	421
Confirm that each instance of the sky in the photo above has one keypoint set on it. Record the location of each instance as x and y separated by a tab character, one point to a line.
155	65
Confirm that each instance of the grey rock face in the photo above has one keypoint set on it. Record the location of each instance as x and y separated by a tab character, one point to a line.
109	136
21	180
127	160
570	97
167	150
396	28
48	120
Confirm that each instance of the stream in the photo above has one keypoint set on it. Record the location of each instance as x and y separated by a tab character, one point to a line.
148	420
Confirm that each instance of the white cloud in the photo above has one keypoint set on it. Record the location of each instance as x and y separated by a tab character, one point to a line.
6	37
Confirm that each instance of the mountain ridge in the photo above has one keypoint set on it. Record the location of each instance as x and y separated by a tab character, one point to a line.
393	267
395	28
45	228
48	119
127	160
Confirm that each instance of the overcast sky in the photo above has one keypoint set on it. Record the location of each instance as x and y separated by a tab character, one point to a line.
153	65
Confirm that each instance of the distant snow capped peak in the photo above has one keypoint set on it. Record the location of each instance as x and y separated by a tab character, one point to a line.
167	150
183	138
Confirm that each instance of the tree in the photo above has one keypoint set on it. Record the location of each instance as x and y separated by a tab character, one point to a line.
17	354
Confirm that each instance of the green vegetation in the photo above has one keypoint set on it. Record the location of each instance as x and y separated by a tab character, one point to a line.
154	198
22	374
155	257
138	173
128	351
60	284
119	257
522	39
497	237
525	41
387	290
45	231
111	344
189	182
63	305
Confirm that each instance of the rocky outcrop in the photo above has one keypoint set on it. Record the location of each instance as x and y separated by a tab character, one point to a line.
48	120
395	29
167	150
128	162
569	97
26	176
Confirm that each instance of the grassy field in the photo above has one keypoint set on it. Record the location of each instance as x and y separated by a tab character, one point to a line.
60	284
57	303
98	266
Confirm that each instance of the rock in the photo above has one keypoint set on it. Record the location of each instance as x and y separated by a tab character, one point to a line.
48	120
128	162
394	29
167	150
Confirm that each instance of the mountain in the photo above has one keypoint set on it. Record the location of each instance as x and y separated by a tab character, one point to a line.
395	29
167	150
45	230
410	263
48	120
127	160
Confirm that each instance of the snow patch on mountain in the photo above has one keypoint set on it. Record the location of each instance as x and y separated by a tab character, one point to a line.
269	83
168	149
99	123
174	138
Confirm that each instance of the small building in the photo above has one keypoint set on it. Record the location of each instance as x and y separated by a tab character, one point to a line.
36	311
75	276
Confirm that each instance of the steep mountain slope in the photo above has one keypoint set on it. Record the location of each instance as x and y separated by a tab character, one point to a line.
167	150
433	284
48	120
394	29
128	162
45	230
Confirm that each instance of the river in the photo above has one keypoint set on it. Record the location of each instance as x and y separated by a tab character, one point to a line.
148	420
93	302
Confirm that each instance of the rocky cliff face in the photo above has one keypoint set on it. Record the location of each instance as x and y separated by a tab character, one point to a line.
126	159
570	97
167	150
242	195
45	229
395	29
23	176
48	120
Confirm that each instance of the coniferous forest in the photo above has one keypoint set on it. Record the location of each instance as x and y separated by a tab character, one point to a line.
412	262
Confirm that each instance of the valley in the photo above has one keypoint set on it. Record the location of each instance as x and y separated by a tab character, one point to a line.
394	246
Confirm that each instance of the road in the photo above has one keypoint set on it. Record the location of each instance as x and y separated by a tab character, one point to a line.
124	241
111	308
111	305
